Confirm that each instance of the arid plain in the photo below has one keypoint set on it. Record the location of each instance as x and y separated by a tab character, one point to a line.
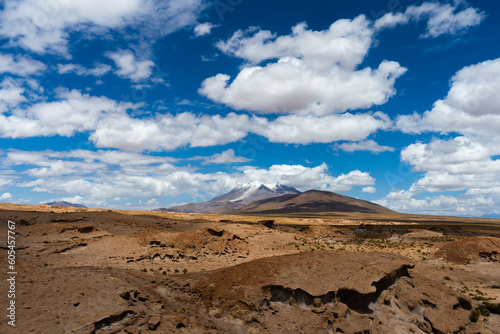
107	271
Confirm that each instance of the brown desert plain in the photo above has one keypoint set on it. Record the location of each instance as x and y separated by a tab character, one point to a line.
85	270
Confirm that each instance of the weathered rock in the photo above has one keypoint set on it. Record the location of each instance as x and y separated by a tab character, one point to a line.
154	322
471	250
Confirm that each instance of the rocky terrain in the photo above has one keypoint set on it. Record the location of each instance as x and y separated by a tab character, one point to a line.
101	271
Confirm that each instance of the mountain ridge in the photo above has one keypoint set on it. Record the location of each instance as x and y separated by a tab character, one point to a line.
312	201
66	204
238	197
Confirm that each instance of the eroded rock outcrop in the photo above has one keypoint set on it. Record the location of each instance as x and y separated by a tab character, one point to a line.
326	291
471	250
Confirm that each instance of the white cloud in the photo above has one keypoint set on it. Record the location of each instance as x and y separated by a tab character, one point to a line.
46	26
315	72
442	19
453	165
11	94
459	155
462	205
98	70
226	157
461	165
305	178
367	145
470	108
391	20
129	67
5	196
369	190
168	132
73	112
4	183
110	126
20	65
469	161
345	44
307	129
203	29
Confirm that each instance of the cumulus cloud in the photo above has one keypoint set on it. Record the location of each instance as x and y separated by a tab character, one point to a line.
129	67
46	26
11	94
461	164
73	112
168	132
110	126
453	165
367	145
405	201
309	71
470	108
442	19
305	178
98	70
307	129
468	162
369	190
203	29
20	65
5	196
4	183
226	157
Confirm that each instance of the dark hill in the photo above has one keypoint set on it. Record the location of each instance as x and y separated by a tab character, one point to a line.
312	202
66	204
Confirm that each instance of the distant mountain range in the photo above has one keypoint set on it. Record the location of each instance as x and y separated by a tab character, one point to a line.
237	198
312	201
66	204
258	198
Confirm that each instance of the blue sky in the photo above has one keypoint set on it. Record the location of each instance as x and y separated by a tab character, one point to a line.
148	103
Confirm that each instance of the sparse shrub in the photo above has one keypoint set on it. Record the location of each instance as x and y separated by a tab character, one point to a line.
24	222
474	315
144	270
480	298
447	278
45	264
164	272
176	271
484	312
184	271
464	303
493	308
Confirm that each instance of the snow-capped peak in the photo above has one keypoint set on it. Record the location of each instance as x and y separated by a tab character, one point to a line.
258	190
256	185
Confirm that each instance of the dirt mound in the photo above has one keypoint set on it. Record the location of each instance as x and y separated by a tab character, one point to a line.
196	245
471	250
328	233
326	291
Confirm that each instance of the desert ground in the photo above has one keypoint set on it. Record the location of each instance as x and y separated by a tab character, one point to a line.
107	271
